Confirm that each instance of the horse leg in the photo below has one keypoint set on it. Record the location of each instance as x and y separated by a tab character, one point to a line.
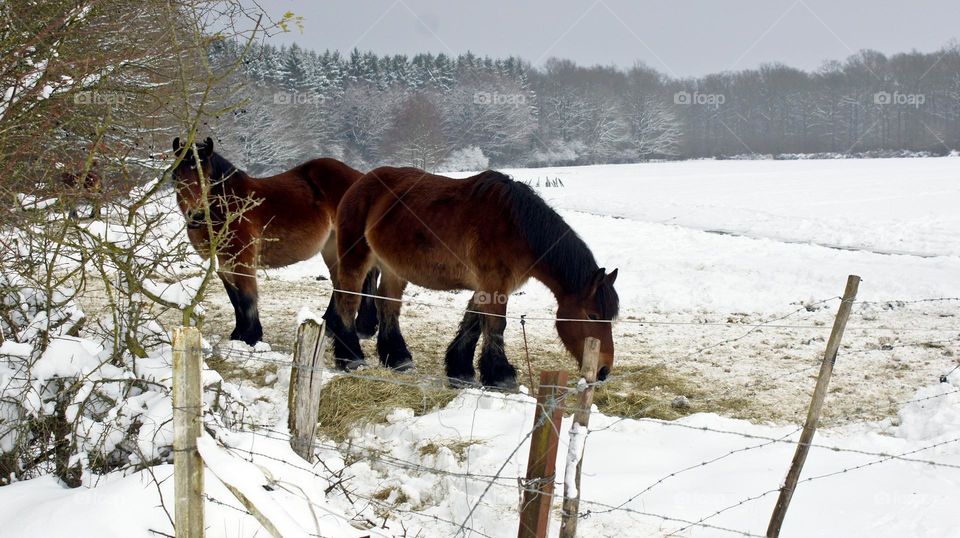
459	357
240	274
244	301
366	323
346	344
235	301
367	315
332	325
352	268
391	347
495	370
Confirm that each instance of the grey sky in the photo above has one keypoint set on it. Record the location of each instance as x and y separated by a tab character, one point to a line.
678	37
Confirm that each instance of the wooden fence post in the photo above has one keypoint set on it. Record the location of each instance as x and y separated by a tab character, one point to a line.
542	463
578	437
187	422
813	415
305	384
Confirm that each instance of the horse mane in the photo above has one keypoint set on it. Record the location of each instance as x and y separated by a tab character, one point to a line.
553	242
221	169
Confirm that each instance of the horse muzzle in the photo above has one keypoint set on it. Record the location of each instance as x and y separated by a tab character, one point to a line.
602	373
195	220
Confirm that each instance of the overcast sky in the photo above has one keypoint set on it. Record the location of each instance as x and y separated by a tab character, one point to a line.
678	37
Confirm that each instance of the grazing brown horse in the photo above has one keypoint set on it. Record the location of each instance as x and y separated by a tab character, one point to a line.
486	233
285	219
86	186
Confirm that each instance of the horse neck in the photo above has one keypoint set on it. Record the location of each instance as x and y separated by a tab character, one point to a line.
236	183
554	281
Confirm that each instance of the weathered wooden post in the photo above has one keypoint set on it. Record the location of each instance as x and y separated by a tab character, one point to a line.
303	400
187	423
578	437
542	463
813	415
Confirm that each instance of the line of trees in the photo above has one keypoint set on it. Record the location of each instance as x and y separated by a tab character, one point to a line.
441	112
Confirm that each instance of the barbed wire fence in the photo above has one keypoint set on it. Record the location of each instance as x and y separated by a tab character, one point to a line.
376	513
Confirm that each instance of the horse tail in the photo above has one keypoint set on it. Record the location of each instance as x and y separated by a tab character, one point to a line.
367	319
328	179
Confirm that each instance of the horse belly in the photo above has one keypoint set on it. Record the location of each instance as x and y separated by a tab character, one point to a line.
286	251
426	267
294	244
433	276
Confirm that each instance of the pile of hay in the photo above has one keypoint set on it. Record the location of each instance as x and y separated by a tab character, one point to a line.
657	392
351	401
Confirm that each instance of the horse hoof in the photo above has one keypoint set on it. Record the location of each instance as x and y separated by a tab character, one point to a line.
506	385
462	382
351	365
354	365
239	337
403	366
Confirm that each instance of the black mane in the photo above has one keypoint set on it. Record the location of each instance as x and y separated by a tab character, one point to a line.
221	169
552	240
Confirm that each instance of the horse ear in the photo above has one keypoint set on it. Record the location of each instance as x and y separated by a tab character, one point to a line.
207	149
597	280
611	278
176	145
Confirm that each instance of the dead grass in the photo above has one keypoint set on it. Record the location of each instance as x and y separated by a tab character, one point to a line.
348	402
384	494
649	392
458	447
235	372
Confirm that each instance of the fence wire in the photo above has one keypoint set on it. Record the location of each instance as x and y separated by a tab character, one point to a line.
504	481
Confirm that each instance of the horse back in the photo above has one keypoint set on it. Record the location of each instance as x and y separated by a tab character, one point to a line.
462	236
296	209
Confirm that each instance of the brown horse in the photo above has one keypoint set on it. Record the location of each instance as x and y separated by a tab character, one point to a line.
486	233
270	222
83	186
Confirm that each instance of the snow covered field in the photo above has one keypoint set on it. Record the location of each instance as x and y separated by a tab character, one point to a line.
706	249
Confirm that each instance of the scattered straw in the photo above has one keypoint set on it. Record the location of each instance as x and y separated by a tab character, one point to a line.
647	392
348	402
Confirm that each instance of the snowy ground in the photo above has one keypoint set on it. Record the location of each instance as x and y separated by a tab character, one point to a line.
640	478
706	249
696	288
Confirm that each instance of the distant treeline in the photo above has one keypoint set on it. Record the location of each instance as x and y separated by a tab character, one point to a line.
437	111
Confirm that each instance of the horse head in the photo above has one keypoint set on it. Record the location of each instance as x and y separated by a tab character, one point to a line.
597	305
193	176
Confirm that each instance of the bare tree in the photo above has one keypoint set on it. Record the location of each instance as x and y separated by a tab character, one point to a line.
105	81
416	138
654	129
